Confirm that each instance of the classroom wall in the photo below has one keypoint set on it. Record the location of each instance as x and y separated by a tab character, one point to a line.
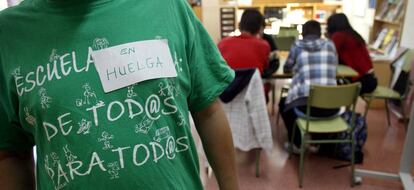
211	12
408	30
358	12
360	16
3	5
211	18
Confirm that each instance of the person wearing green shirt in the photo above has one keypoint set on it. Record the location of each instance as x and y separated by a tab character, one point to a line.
104	89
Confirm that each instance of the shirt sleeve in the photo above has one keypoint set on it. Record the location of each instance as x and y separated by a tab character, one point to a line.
291	60
12	136
210	75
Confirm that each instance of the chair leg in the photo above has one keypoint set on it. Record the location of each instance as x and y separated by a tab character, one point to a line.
368	103
352	160
278	111
301	163
404	118
258	151
273	86
277	117
291	140
278	136
387	109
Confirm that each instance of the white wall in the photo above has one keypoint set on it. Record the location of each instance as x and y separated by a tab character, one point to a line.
8	3
360	16
211	18
12	2
408	30
3	4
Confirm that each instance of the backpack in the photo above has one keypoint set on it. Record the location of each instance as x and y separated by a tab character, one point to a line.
342	151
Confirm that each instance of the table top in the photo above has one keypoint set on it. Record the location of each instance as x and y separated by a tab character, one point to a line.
343	71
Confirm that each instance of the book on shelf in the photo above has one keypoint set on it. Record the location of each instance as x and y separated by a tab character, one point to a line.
387	39
383	10
395	11
380	38
391	11
399	11
388	48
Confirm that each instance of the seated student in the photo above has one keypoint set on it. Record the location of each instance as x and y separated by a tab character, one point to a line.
352	51
247	50
313	61
273	63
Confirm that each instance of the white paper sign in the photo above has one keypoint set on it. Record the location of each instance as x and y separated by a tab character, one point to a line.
127	64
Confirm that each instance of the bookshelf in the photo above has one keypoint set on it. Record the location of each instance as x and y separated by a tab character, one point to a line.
388	25
311	9
227	21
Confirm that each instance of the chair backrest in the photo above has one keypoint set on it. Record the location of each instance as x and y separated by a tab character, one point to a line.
329	97
409	56
284	43
401	67
401	62
288	31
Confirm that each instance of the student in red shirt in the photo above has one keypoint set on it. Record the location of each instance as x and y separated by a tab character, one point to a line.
247	50
352	51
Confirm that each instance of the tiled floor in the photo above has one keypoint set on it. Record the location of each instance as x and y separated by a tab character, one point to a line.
382	152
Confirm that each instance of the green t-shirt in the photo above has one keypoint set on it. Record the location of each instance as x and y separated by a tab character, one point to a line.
137	137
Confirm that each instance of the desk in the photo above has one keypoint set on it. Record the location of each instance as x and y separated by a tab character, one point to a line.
342	71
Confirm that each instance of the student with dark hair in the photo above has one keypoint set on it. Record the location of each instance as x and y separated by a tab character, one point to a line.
251	21
247	50
274	62
313	61
352	51
311	28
